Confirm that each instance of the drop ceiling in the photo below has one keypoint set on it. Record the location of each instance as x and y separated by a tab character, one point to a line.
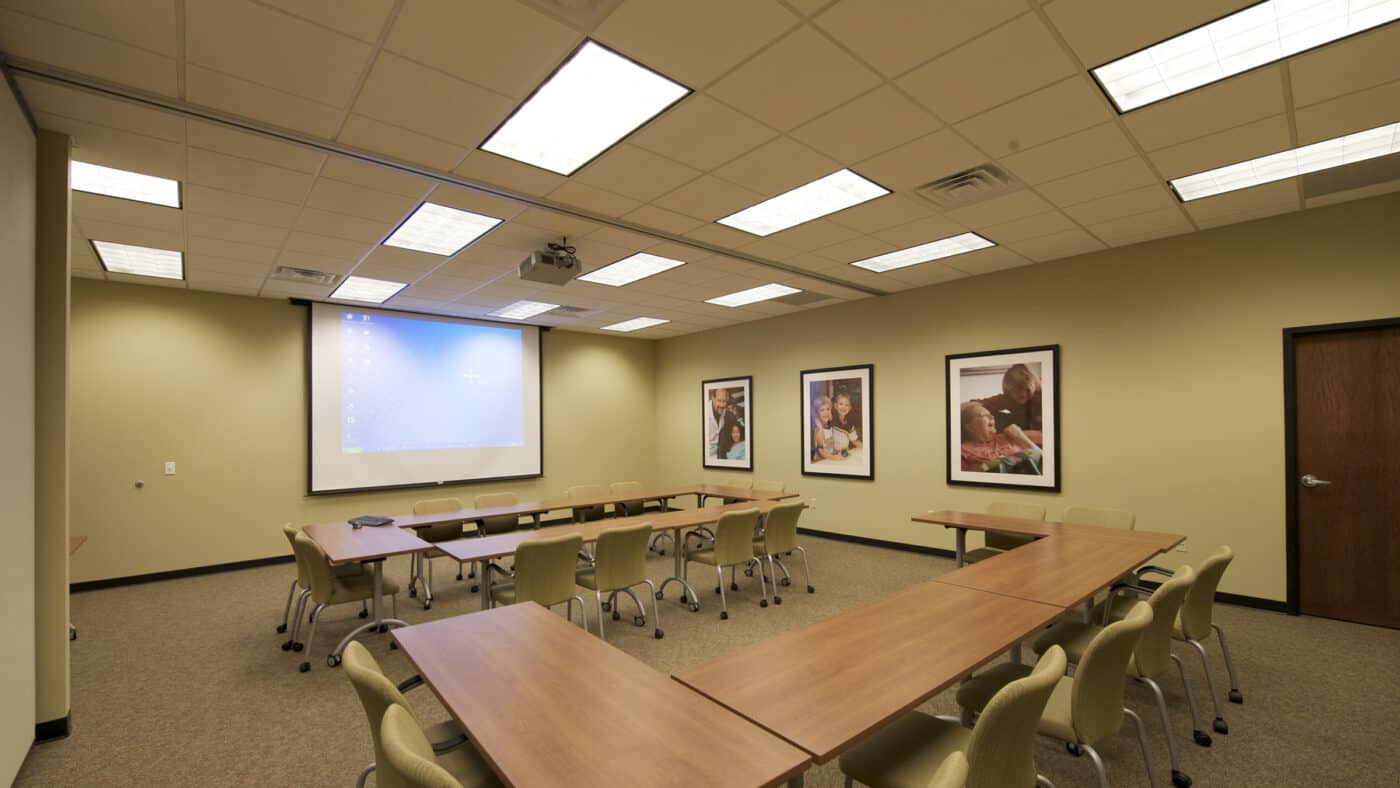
904	93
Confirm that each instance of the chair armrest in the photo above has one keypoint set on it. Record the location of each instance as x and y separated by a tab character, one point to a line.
440	747
493	567
410	683
1156	570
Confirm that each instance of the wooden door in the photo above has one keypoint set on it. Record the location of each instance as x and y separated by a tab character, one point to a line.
1347	386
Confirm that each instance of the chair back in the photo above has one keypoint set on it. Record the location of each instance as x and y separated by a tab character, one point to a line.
767	486
1154	648
734	537
1025	511
303	573
376	692
439	533
620	557
1096	705
628	508
318	568
952	774
780	527
497	525
407	760
1000	751
544	569
1104	518
586	514
1199	604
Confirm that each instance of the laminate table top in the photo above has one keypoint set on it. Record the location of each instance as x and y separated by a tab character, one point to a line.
343	544
1061	570
549	704
970	521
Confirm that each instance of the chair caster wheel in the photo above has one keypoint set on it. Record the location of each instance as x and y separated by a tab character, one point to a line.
1180	780
1073	749
777	600
716	589
733	586
383	628
660	595
811	589
459	577
1236	697
364	614
412	592
639	621
281	628
763	603
475	589
304	667
660	634
428	604
1202	738
393	645
787	581
333	661
616	615
723	615
606	607
661	552
695	607
287	646
298	646
1221	726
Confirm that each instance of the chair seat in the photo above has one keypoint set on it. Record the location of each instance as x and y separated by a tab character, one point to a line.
1072	636
706	556
907	753
348	570
353	588
1055	721
980	554
464	762
504	594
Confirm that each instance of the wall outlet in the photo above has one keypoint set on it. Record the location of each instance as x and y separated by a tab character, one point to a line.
170	468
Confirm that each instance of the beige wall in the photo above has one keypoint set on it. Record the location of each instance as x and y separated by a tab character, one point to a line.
1170	366
17	217
217	384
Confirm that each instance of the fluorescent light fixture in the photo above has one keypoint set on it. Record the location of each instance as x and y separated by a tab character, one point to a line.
835	192
437	229
753	295
1324	155
595	99
362	288
629	270
1258	35
140	260
923	253
111	182
635	324
520	310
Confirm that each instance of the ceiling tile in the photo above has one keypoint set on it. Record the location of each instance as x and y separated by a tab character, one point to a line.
363	19
777	166
870	124
1359	62
1078	152
476	202
623	238
232	250
251	146
317	262
686	133
277	289
795	80
401	143
1103	30
986	261
500	171
769	248
925	159
857	249
694	43
1373	190
589	198
814	235
239	207
225	266
516	238
224	283
719	236
297	57
1062	108
92	108
1142	227
1259	138
1066	243
340	225
116	148
149	281
148	24
881	213
709	198
133	212
346	198
636	173
503	46
381	179
920	232
30	37
247	177
1246	204
1048	223
1099	182
229	230
403	259
241	97
662	219
1365	109
1231	102
326	245
1011	61
896	36
1146	199
558	222
1000	209
405	94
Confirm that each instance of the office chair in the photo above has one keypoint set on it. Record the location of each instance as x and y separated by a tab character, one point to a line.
998	543
328	588
620	563
733	547
544	573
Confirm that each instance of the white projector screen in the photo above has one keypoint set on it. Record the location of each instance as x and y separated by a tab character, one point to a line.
399	399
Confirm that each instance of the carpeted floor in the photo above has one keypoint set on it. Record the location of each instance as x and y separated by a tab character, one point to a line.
182	683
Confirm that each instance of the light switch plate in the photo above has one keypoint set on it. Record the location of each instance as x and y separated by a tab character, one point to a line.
170	468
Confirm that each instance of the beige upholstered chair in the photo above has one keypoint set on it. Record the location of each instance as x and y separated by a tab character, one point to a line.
620	563
779	537
998	543
628	508
733	547
586	514
544	573
1085	708
1104	518
952	774
1000	750
1151	659
303	582
435	533
501	524
328	588
378	694
408	759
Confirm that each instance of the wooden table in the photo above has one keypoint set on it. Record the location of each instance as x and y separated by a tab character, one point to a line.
962	522
827	685
548	704
343	544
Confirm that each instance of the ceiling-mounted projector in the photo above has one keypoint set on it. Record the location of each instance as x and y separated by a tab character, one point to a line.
555	265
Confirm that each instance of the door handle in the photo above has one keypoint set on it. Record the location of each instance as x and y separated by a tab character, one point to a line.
1309	480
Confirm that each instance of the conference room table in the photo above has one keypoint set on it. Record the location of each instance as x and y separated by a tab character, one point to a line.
962	522
546	703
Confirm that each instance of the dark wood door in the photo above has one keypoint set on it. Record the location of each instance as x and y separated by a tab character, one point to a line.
1348	469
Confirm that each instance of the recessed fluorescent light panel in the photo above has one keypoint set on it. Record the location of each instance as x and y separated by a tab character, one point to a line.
923	253
629	270
521	310
753	295
362	288
595	99
140	260
1324	155
635	324
111	182
1258	35
437	229
835	192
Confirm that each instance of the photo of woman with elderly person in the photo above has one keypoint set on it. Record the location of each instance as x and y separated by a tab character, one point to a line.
726	416
836	404
1002	422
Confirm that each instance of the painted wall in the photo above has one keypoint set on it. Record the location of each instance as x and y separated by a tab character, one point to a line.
17	223
1170	367
217	384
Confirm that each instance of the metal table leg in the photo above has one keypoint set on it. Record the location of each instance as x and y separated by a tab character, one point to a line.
960	547
678	577
376	616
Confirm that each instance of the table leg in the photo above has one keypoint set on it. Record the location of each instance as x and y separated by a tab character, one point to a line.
377	619
536	518
795	782
679	568
960	547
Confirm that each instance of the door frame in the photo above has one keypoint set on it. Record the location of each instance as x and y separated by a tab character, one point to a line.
1290	436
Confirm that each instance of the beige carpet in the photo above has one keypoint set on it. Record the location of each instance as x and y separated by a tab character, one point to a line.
182	683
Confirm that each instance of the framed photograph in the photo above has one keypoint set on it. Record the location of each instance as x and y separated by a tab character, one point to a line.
727	417
1004	418
838	422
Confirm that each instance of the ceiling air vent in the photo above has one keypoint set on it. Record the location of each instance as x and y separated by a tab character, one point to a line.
982	182
303	275
572	311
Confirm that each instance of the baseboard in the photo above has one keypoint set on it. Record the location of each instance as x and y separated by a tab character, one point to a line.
1242	600
53	730
176	574
865	540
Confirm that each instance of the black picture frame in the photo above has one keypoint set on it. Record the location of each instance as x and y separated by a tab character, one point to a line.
739	412
1035	468
851	454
